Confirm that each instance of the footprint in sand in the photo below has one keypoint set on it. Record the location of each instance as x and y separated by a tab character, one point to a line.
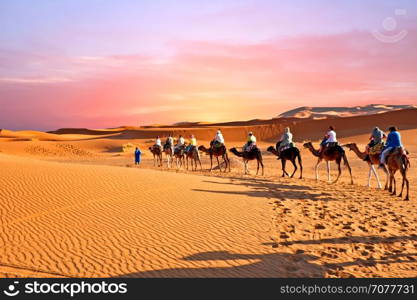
284	235
363	228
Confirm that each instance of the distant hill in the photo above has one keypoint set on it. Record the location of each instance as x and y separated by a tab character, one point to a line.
307	112
265	130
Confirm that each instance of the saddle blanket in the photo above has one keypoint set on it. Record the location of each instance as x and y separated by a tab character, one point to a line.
377	149
286	147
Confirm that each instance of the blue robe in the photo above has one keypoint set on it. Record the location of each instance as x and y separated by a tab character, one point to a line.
393	140
137	156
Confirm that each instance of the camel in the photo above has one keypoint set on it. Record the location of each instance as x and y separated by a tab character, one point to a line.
179	154
217	152
169	154
290	154
329	154
398	160
194	157
254	153
372	160
157	155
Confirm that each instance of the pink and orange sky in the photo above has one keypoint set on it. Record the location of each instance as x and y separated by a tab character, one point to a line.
108	63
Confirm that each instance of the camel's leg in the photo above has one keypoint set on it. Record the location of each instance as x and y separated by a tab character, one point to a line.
283	163
407	186
405	182
349	168
317	168
201	167
257	169
390	182
211	162
376	176
328	171
369	176
225	163
218	163
228	162
394	183
402	186
295	167
386	177
339	170
262	165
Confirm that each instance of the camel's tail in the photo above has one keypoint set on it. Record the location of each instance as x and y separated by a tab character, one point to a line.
406	161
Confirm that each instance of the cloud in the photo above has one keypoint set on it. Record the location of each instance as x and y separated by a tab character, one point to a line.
206	81
40	80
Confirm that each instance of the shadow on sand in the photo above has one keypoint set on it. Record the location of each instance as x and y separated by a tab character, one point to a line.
261	188
258	265
265	265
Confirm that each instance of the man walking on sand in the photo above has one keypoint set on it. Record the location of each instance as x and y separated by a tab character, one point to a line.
138	154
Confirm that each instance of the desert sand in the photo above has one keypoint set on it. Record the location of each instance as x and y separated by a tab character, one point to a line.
75	205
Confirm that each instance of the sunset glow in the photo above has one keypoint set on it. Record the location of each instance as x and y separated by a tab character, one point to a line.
111	63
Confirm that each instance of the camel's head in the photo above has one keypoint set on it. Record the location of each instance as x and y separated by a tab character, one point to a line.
349	146
150	148
270	149
307	145
233	149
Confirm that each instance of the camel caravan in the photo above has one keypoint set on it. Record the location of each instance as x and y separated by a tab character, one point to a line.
384	152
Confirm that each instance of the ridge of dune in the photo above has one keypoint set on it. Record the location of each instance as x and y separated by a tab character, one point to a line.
339	111
266	130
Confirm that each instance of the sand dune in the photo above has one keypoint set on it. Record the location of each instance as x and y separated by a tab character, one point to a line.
336	111
79	207
265	130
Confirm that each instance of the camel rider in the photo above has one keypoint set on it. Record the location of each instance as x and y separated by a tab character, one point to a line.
251	142
285	141
169	143
393	141
218	140
158	143
329	139
192	145
181	143
376	138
